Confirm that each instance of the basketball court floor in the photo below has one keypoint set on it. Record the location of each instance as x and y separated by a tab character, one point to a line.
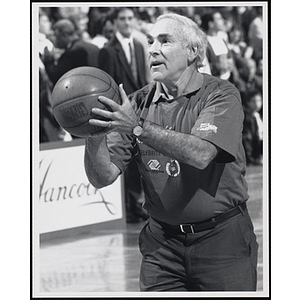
101	261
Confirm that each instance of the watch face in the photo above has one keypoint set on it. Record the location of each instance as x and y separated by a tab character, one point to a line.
137	131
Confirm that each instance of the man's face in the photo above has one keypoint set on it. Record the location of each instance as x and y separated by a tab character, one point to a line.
168	58
219	23
255	103
108	30
124	22
61	39
45	25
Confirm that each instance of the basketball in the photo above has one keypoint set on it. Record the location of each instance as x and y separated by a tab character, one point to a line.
76	93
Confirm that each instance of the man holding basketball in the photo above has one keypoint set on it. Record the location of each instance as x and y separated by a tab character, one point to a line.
185	132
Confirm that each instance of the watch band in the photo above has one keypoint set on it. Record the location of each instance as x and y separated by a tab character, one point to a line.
141	122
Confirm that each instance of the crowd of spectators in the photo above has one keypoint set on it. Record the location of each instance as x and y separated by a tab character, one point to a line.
235	36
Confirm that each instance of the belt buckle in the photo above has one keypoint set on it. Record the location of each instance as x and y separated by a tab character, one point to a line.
184	227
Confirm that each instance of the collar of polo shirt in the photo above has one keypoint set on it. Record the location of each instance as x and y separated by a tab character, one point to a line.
194	83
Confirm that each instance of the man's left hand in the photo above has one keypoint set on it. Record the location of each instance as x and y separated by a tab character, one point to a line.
122	118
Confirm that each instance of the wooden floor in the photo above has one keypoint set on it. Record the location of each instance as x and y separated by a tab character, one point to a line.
108	261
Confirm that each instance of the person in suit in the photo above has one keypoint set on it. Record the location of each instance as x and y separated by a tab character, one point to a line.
123	58
76	53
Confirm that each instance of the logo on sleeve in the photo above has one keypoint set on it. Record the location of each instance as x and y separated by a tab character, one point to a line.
208	127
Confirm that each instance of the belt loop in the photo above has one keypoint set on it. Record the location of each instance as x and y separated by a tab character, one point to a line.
181	228
242	211
189	226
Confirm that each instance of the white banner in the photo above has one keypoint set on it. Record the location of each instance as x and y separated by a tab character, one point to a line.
66	198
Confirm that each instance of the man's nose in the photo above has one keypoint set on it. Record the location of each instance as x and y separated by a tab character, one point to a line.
154	48
128	21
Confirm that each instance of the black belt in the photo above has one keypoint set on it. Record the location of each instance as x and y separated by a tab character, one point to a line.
206	225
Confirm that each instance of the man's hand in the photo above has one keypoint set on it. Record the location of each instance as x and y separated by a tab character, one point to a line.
122	118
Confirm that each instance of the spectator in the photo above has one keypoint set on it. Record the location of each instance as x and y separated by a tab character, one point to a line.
253	129
221	64
254	80
255	35
99	39
44	32
247	15
104	31
49	129
109	28
94	14
117	59
236	42
251	78
80	22
77	52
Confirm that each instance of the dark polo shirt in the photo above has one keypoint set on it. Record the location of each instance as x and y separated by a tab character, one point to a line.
175	192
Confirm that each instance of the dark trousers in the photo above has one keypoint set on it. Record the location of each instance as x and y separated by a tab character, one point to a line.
220	259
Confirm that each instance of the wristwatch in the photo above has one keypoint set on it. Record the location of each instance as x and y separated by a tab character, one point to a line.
138	129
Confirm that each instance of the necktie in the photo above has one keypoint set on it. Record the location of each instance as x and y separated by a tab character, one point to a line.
133	62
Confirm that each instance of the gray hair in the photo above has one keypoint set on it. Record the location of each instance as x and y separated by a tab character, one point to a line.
192	36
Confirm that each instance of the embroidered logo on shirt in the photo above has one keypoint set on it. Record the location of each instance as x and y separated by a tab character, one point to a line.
208	127
154	165
173	168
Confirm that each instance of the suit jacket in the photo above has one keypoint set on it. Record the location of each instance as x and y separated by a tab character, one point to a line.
79	54
112	60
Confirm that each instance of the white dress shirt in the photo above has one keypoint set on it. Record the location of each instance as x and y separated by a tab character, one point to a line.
125	44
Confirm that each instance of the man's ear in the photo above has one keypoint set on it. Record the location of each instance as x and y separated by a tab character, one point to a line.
192	54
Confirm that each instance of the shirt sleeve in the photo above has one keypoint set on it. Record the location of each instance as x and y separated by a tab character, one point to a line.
120	148
221	122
